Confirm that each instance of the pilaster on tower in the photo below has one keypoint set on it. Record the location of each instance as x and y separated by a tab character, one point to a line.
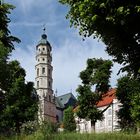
44	80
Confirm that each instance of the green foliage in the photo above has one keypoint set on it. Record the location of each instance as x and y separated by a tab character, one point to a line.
68	120
29	127
128	93
20	103
135	102
6	42
96	74
5	37
48	129
18	100
6	47
135	110
115	22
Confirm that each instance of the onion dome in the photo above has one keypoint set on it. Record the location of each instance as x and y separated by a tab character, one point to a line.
44	41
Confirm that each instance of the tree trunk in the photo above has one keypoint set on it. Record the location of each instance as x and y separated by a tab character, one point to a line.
93	126
17	127
138	130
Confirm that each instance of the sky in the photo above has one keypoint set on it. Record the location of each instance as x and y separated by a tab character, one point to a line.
69	51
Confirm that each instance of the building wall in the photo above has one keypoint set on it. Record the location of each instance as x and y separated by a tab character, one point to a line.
47	107
82	125
59	114
108	124
50	110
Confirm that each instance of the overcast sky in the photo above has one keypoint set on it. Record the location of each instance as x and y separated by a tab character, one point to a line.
70	52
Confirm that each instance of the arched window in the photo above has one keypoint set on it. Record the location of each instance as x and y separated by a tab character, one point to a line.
49	72
43	70
37	84
49	83
37	71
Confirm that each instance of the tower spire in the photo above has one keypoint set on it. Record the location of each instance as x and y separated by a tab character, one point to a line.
44	79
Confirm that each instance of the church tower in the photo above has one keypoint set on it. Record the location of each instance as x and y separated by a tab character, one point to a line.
43	80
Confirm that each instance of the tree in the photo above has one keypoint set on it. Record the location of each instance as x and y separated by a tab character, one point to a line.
115	22
123	94
135	110
6	47
96	75
69	121
6	42
20	100
128	93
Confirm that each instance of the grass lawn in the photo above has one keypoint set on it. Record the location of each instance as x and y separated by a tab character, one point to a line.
74	136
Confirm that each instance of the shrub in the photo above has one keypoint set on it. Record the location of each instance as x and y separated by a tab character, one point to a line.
69	121
48	128
29	127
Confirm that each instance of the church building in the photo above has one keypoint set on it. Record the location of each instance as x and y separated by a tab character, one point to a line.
43	80
50	107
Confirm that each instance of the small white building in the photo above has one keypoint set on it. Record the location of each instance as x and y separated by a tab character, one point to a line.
110	121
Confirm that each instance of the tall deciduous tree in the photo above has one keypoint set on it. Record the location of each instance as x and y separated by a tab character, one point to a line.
124	93
6	47
96	75
18	101
135	110
20	104
69	121
128	93
6	42
115	22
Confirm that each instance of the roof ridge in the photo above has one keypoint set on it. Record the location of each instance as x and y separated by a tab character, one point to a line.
64	94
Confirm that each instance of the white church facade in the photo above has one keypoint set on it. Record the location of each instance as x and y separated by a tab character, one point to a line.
110	121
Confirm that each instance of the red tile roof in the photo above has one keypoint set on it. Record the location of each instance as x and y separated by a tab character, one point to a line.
107	98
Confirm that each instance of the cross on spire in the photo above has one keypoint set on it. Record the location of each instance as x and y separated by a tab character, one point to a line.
44	28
